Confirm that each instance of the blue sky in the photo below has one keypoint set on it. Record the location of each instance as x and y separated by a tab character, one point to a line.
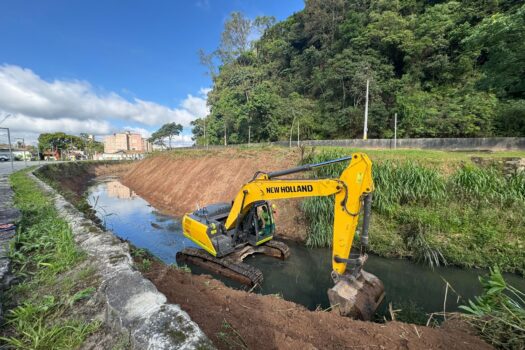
98	66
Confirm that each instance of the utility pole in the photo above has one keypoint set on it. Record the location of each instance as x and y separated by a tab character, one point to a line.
249	134
225	133
297	133
291	129
10	150
205	140
365	130
395	130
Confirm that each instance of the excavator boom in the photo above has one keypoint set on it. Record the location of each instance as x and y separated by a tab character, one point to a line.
354	184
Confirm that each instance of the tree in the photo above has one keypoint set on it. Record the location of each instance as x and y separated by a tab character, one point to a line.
59	141
166	131
448	68
235	37
500	43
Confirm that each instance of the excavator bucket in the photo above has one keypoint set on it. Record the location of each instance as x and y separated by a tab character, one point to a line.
358	297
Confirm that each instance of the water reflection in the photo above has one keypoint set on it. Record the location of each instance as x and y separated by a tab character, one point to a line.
305	276
118	190
132	218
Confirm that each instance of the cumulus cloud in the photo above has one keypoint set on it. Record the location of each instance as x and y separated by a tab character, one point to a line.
74	106
179	141
145	133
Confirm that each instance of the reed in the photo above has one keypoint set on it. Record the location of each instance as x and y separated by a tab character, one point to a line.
498	313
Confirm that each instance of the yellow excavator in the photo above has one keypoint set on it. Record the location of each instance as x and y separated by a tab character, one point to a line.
228	232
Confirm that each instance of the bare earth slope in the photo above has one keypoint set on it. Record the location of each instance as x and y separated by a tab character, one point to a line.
177	184
236	319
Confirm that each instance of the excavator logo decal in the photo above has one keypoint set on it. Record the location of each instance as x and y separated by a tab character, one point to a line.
290	189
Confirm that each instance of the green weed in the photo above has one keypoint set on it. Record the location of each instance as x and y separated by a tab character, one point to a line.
42	252
499	313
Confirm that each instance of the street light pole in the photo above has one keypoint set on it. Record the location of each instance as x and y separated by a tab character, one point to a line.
3	120
365	130
395	130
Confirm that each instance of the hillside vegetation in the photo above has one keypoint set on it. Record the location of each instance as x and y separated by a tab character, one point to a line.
448	68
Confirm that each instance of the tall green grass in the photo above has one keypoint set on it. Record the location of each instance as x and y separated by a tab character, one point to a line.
488	186
499	313
42	315
471	217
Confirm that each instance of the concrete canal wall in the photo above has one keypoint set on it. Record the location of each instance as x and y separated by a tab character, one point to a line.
133	305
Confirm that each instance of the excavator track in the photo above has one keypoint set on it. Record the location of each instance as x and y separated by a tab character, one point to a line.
232	266
236	270
281	247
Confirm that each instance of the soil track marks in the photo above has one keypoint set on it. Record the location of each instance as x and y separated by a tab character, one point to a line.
177	184
236	319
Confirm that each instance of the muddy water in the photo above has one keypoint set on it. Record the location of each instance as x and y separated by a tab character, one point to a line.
305	276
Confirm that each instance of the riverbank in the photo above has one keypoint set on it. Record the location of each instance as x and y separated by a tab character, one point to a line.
415	215
51	306
233	318
77	286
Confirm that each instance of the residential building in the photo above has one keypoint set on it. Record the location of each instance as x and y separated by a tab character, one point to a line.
127	142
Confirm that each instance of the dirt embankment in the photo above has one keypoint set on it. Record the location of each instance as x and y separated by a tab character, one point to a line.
235	319
176	185
74	178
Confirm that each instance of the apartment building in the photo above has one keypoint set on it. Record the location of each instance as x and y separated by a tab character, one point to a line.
126	142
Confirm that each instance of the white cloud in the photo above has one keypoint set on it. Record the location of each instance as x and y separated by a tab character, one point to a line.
145	133
75	106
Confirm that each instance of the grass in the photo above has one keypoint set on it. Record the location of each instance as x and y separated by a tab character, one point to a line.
463	215
55	278
499	313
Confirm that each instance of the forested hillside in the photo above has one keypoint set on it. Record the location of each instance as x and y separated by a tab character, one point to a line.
447	68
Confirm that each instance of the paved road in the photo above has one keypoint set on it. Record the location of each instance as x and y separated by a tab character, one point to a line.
5	167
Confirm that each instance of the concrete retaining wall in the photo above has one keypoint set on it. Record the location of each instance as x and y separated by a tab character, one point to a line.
133	304
479	144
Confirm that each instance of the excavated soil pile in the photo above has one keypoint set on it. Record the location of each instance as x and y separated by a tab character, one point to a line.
176	184
236	319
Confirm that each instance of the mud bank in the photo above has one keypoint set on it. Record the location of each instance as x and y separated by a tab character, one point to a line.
237	319
178	184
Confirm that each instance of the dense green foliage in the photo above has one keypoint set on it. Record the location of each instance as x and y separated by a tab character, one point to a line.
448	68
59	141
499	313
43	301
472	217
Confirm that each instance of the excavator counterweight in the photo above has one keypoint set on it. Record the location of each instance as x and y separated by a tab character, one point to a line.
229	232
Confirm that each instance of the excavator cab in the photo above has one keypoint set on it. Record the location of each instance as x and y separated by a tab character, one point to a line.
258	224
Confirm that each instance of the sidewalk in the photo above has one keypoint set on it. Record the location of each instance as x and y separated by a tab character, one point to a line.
8	215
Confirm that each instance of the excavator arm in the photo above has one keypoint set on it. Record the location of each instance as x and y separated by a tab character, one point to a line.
352	190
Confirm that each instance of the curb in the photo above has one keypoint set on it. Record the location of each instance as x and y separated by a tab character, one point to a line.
8	215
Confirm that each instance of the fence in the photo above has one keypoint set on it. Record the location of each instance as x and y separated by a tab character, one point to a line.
452	144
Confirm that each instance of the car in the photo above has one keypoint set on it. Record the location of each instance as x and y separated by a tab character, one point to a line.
4	158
